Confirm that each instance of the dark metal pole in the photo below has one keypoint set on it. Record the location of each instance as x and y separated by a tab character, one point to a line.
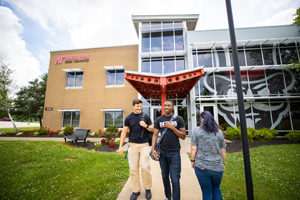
237	72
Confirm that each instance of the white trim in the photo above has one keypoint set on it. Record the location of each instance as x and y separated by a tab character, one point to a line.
115	86
78	87
246	98
69	110
114	67
73	70
109	109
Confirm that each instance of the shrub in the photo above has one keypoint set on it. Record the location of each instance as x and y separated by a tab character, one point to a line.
112	145
113	128
88	141
118	143
44	131
51	133
103	140
119	132
265	134
100	131
98	145
57	131
11	134
293	136
109	136
68	130
35	134
230	133
92	134
19	134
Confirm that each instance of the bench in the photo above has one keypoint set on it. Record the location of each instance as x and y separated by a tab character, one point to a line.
79	134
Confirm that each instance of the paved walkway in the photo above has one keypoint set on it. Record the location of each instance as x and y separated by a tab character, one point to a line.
4	124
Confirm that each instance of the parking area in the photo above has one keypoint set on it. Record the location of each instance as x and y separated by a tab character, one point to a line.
4	124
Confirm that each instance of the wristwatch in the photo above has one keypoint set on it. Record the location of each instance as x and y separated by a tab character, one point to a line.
192	160
147	126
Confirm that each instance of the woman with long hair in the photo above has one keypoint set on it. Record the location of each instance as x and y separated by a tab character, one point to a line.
208	156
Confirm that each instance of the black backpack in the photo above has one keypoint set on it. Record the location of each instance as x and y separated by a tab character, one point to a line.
148	133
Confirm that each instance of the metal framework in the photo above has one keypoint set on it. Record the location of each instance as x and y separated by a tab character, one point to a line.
166	86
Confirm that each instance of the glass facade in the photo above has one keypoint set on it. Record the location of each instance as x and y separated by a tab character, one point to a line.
74	79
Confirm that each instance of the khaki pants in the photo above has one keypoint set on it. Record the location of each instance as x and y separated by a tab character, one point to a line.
139	159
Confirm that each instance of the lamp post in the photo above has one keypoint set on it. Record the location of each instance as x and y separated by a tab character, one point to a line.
247	166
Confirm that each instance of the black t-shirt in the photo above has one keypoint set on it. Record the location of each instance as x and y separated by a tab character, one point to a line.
133	122
170	141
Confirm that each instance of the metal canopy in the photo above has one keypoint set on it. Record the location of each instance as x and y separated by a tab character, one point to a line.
166	86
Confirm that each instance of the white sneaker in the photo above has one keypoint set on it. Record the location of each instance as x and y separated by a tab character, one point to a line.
166	198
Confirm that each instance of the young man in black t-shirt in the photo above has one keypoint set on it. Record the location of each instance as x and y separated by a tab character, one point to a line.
138	152
170	161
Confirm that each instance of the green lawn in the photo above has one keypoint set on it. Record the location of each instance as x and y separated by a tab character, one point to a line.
275	173
3	130
53	170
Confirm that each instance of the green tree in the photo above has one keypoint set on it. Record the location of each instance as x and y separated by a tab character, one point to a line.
7	88
296	20
30	99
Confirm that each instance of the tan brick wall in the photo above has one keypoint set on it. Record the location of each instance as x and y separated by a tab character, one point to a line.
93	96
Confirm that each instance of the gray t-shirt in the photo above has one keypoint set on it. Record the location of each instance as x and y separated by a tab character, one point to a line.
209	146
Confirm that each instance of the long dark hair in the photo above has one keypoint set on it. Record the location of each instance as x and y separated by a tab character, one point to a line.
209	124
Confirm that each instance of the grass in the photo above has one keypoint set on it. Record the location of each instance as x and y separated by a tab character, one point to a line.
275	173
3	130
53	170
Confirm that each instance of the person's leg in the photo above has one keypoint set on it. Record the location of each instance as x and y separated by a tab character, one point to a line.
134	161
216	179
164	166
175	170
203	177
145	166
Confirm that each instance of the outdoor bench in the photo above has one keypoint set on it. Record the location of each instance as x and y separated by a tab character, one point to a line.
79	134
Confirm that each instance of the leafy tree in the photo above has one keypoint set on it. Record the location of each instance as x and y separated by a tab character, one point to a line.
7	87
30	99
296	20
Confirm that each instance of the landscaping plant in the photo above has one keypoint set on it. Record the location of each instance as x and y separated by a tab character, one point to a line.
293	136
68	130
112	145
265	134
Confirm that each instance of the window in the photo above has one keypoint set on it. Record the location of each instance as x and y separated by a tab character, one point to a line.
115	76
74	78
71	118
163	65
113	117
162	36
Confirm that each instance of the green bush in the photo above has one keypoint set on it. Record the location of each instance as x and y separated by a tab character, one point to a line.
99	145
265	134
118	143
113	128
68	130
293	136
231	133
250	132
44	131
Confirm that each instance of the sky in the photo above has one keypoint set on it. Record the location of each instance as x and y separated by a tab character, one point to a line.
31	29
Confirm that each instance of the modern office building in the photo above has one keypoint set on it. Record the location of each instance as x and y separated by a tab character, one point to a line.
94	88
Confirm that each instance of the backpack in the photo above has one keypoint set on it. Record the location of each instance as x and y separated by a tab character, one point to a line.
148	133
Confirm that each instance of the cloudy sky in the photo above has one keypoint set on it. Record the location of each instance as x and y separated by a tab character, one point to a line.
31	29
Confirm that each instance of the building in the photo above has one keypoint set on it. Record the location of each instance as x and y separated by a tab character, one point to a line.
87	88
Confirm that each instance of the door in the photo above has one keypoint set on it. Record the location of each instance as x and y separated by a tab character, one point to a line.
212	108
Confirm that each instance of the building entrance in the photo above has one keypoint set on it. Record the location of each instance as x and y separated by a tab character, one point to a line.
212	108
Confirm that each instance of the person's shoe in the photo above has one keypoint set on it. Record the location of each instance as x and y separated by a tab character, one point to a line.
166	198
134	195
148	194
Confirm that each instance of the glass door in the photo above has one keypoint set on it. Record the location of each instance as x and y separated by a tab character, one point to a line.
212	108
155	113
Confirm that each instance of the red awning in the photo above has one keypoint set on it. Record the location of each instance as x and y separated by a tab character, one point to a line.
167	86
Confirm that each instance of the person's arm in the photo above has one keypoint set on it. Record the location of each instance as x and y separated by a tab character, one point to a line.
154	141
123	136
193	155
223	153
144	125
181	133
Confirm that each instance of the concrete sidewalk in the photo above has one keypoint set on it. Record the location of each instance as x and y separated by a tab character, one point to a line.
190	188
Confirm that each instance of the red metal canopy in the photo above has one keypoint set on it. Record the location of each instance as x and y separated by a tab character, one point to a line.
163	87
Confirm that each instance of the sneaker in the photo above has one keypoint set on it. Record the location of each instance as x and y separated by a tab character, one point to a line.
166	198
134	195
148	194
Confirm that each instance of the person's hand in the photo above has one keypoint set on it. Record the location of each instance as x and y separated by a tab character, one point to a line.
154	154
169	125
143	124
193	165
120	151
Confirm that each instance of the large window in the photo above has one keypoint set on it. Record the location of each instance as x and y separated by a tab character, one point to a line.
71	118
163	65
161	36
114	76
74	78
113	118
248	55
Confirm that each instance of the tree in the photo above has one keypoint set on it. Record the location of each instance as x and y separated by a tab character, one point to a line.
30	100
296	20
7	87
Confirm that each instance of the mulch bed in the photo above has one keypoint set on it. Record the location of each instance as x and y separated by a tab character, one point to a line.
91	146
236	145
